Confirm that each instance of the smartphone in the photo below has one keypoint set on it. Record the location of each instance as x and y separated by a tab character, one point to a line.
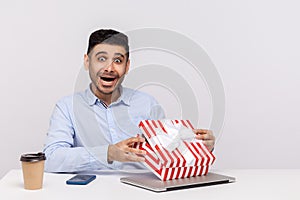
81	179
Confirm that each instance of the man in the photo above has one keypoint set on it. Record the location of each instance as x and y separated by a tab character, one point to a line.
95	129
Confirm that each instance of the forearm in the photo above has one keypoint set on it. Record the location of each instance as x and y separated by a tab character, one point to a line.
66	159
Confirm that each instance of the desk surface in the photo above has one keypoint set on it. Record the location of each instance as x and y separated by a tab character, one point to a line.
250	184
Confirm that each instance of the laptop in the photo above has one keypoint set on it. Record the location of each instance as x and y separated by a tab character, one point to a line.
150	182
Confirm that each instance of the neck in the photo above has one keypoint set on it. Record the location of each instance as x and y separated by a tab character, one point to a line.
106	98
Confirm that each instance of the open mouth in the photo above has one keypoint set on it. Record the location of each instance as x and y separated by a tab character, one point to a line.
107	79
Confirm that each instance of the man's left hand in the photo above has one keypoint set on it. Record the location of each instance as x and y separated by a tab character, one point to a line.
207	136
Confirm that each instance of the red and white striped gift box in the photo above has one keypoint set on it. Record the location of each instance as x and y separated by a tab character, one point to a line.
192	160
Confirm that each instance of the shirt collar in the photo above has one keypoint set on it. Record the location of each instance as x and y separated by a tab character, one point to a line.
91	98
124	97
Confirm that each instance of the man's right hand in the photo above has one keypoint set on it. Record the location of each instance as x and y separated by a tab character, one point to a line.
123	151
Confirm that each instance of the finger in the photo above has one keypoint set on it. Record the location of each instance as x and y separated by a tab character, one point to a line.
202	131
135	151
205	137
134	158
209	144
132	140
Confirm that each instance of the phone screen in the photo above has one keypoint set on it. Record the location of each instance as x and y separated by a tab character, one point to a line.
81	179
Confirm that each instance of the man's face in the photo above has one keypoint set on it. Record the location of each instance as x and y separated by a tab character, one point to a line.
107	65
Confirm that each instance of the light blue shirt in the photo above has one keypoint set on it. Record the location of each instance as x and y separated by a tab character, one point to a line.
82	127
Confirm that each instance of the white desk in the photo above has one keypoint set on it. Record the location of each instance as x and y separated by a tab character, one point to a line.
250	184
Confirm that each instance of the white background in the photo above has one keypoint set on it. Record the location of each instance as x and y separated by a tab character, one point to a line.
253	44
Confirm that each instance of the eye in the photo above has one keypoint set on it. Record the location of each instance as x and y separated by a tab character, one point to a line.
118	60
102	59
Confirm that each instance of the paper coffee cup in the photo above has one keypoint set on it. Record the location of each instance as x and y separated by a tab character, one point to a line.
33	170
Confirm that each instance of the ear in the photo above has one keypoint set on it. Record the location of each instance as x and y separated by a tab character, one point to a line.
86	62
127	66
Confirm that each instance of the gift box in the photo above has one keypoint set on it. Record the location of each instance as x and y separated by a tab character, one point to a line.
172	150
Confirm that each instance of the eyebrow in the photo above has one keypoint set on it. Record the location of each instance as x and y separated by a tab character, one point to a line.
119	54
101	52
104	52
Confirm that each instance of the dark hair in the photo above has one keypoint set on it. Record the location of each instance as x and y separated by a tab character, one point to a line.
108	36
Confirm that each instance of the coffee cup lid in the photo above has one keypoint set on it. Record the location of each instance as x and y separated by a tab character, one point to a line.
33	157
